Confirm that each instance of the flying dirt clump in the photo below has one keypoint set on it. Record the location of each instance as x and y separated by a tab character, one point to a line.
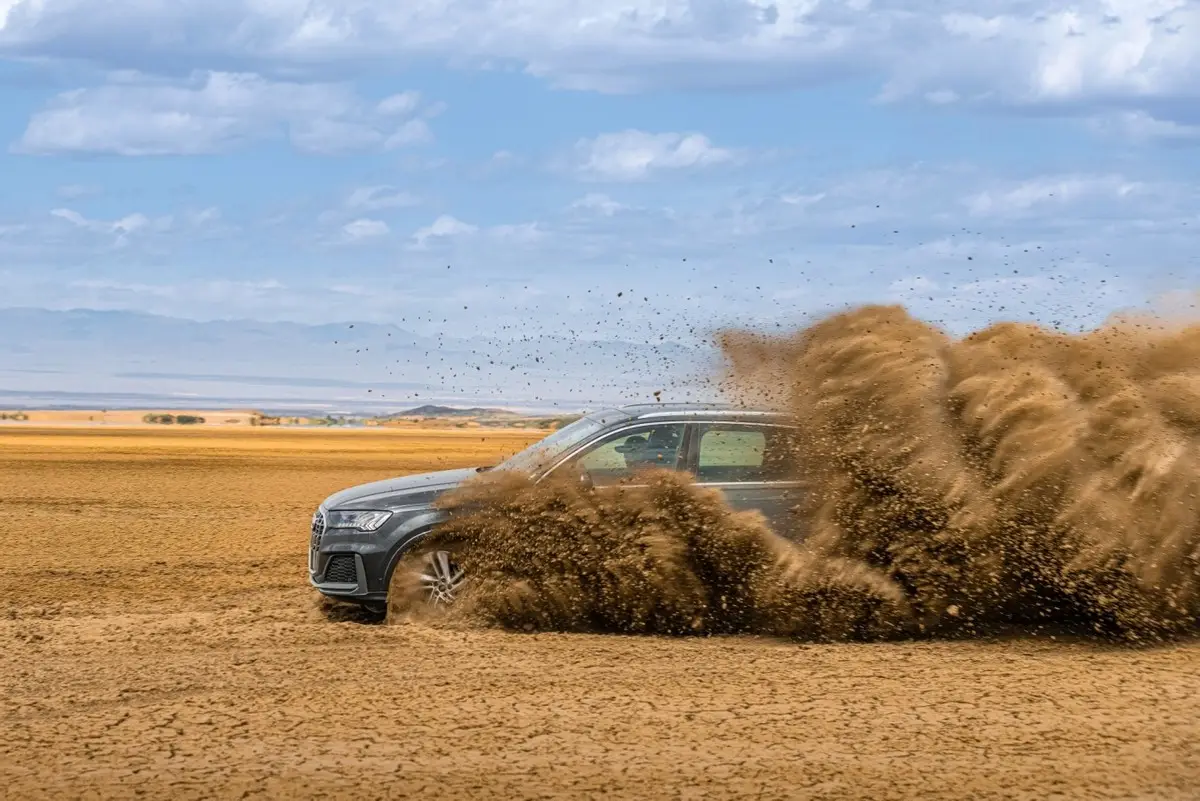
1016	475
664	557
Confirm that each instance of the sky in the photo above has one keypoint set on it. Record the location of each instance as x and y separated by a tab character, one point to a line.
628	169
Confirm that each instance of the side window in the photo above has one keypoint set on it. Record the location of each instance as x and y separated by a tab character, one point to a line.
620	456
733	453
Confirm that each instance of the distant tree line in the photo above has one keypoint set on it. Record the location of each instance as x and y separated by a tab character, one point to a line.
169	419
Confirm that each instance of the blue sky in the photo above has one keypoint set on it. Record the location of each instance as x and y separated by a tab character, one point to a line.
512	165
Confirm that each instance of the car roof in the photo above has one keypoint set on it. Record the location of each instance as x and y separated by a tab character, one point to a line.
686	410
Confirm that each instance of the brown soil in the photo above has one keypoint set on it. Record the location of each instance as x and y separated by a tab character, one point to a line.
162	642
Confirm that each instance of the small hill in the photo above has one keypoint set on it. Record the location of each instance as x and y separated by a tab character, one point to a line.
430	410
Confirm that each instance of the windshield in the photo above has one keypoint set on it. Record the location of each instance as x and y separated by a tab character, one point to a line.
542	453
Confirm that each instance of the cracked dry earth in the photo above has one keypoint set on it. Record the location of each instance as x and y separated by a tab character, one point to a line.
161	642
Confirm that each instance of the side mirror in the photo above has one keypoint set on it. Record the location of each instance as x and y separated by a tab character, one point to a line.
585	480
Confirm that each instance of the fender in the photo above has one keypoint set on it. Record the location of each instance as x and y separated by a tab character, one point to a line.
414	531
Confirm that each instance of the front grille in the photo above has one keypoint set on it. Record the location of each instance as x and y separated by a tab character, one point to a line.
341	570
318	528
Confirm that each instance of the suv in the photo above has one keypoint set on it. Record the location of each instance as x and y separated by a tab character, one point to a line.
359	534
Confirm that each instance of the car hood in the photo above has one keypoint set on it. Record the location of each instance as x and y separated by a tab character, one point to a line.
417	490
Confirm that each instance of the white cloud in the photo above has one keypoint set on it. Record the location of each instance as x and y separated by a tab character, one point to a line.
413	132
6	8
443	227
1026	196
447	227
802	200
597	203
120	228
210	112
204	216
326	136
497	163
1139	126
750	253
357	230
76	218
1062	52
365	200
127	224
520	234
401	104
373	198
636	155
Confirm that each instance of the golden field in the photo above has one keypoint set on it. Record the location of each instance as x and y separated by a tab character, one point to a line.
162	642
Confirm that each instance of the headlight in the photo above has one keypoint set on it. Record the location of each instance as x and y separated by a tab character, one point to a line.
363	521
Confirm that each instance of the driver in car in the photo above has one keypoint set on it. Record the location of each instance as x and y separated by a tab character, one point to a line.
659	450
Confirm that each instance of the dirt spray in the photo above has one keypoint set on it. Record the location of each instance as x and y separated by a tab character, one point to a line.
1014	476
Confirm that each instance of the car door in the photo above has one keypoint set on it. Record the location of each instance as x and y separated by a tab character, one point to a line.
615	458
750	464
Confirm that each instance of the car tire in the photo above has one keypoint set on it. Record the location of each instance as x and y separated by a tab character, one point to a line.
424	585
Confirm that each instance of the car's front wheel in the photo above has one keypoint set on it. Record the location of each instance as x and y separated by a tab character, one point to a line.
441	578
424	584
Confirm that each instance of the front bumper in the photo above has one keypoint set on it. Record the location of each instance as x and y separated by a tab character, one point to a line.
354	565
349	570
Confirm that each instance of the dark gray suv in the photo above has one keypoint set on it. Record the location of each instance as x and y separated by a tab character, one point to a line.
359	534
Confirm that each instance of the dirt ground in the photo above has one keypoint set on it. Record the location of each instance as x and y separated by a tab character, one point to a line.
162	642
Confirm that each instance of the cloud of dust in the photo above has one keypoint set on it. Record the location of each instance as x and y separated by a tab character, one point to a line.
1017	475
661	557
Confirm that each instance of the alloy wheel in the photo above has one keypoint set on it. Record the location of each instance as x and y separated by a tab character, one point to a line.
441	578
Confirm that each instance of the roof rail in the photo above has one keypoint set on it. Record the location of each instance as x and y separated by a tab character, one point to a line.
732	412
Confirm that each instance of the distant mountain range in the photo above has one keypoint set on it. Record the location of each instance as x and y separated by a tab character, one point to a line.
430	410
122	359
